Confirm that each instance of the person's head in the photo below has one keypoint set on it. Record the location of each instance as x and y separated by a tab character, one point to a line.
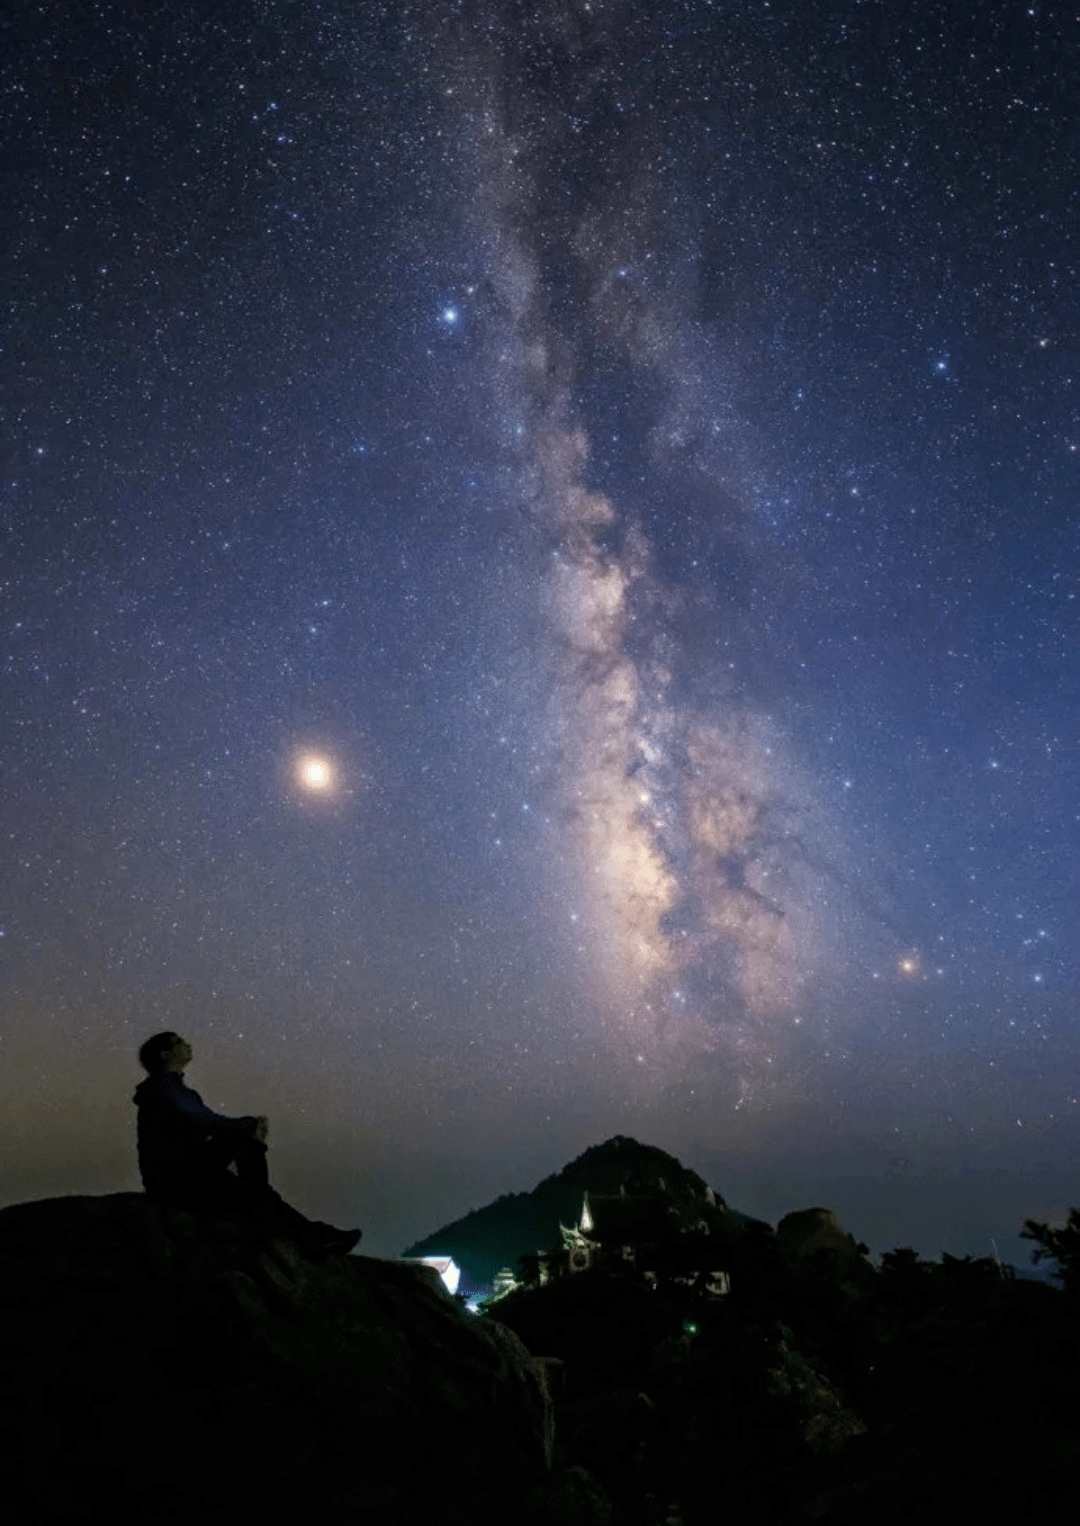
165	1051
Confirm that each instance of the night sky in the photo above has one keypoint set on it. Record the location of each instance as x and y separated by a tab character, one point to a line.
539	560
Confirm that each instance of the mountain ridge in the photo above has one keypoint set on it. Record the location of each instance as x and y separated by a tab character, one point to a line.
486	1239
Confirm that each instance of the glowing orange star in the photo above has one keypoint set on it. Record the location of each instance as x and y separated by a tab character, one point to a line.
315	774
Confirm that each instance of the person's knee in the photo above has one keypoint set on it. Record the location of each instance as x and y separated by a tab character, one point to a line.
251	1163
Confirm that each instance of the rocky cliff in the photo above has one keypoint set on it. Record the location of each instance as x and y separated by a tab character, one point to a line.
157	1367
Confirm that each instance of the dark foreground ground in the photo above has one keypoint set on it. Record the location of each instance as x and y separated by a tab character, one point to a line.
158	1367
844	1394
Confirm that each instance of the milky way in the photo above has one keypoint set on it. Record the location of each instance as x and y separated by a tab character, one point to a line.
684	826
539	556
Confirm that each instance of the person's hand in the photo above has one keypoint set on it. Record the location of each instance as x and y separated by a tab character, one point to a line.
261	1125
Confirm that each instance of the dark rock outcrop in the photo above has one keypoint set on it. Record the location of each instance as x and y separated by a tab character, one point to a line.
814	1239
158	1366
675	1404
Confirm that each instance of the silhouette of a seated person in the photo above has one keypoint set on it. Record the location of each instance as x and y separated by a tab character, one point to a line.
186	1149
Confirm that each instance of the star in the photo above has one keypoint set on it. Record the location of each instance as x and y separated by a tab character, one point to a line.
315	774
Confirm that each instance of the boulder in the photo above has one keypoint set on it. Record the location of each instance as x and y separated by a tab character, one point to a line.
160	1366
815	1238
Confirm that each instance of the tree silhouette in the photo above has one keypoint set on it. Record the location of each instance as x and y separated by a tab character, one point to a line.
1060	1244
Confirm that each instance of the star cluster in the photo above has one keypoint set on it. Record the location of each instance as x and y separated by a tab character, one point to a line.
540	559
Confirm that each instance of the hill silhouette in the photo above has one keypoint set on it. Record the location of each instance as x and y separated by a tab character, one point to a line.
817	1388
524	1223
805	1384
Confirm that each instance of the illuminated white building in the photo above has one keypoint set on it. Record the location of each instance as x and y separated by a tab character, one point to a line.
446	1267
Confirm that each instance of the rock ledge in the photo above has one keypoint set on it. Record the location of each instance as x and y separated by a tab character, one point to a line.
159	1366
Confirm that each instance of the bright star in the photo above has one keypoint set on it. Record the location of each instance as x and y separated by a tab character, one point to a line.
315	774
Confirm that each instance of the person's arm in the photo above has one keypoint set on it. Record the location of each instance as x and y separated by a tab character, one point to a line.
183	1102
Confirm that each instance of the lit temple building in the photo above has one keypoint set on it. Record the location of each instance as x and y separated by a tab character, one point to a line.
636	1230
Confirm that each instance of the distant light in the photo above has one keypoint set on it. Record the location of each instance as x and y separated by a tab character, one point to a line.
446	1267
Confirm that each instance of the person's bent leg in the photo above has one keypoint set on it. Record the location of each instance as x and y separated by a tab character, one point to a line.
264	1203
259	1201
251	1164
